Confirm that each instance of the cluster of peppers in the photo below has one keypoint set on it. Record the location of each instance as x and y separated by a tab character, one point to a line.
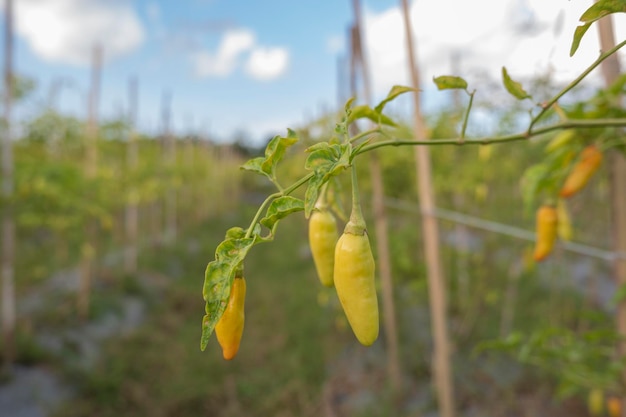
345	262
547	218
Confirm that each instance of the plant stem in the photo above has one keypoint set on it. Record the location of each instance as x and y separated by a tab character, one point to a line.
499	139
364	134
293	187
356	225
466	118
258	213
271	197
546	106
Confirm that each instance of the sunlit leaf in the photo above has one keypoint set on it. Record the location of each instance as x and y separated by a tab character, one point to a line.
531	183
235	233
364	111
218	279
446	82
596	11
281	208
561	139
395	91
275	151
255	165
312	192
322	156
357	148
602	8
579	32
514	88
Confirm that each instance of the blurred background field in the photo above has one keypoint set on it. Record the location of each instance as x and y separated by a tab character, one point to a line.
137	352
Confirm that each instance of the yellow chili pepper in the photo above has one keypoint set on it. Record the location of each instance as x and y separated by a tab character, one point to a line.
547	221
322	240
229	328
354	281
588	163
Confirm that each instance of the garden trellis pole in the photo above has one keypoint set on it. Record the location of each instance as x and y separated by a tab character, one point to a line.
617	183
8	222
91	171
169	160
436	287
132	218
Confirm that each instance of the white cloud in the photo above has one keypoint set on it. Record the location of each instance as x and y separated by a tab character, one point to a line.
522	35
224	61
267	63
66	30
262	63
335	44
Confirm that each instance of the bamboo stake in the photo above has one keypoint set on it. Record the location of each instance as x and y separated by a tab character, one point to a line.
132	218
169	159
91	169
617	182
8	222
380	226
436	287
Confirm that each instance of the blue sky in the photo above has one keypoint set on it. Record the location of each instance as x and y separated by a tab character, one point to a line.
262	66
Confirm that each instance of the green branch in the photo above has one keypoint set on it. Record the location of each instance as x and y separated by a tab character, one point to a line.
546	106
467	113
364	134
499	139
271	197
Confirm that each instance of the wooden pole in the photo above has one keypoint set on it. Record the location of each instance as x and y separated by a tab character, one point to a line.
430	230
132	218
611	70
169	159
380	225
91	171
8	222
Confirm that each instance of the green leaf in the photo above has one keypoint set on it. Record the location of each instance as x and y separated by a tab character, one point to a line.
595	12
255	165
329	159
275	151
235	233
326	161
319	145
364	111
357	148
602	8
281	208
347	108
218	279
312	192
323	155
579	32
561	139
233	250
619	296
395	91
532	180
216	291
207	330
514	88
446	82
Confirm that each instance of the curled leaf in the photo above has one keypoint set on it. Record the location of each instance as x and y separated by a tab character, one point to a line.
446	82
514	88
281	208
